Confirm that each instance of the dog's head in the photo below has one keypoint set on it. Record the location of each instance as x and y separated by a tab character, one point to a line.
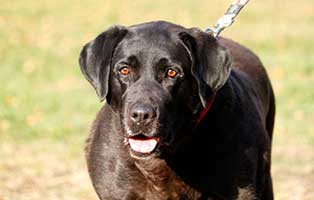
157	76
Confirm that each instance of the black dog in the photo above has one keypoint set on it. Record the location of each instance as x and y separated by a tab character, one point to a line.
187	116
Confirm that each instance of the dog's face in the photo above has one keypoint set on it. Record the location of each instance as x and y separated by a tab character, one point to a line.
157	76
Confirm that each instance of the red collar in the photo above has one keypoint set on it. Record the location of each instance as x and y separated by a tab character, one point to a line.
205	110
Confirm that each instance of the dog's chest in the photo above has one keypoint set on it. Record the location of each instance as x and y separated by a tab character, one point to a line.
161	183
171	192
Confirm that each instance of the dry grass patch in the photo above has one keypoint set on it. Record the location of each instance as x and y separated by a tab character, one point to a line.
43	170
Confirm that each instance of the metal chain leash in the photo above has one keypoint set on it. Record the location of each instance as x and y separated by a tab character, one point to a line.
228	18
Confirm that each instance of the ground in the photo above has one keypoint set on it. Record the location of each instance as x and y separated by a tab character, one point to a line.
46	106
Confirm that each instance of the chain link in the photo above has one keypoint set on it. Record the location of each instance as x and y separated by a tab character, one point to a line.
228	18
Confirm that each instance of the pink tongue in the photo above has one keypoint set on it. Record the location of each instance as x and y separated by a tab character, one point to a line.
143	145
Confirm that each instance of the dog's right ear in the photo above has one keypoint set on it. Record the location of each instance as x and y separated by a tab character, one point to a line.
95	58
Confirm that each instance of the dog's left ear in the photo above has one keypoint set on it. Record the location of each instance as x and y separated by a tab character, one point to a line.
95	59
211	63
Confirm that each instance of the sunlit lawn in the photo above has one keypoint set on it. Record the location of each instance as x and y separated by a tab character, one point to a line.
46	106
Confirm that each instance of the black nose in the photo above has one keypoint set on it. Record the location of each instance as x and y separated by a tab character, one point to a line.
142	113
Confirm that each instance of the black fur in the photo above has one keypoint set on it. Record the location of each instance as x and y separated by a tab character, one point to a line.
226	156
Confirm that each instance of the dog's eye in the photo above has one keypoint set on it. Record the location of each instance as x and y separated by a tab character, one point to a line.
171	73
124	70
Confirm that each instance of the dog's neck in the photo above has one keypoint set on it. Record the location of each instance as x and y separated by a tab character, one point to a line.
163	181
154	170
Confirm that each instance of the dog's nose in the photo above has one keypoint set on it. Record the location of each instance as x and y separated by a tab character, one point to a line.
142	113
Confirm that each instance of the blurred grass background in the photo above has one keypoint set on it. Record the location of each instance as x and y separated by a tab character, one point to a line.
46	106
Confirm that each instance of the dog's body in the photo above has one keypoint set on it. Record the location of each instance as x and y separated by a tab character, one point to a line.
224	156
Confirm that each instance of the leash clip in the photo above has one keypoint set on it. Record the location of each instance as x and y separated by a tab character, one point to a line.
228	18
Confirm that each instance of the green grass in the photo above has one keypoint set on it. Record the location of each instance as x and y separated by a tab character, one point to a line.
44	97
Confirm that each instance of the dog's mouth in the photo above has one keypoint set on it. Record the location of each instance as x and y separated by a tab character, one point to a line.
142	145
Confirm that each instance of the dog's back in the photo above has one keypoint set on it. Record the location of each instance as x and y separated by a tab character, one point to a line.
246	61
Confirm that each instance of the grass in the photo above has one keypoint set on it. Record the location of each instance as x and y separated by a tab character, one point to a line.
46	106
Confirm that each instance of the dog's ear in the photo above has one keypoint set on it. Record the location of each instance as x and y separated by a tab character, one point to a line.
211	63
95	58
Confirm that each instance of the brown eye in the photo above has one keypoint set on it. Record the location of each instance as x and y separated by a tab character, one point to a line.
124	71
171	73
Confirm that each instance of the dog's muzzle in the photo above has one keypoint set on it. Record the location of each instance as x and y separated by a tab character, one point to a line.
141	133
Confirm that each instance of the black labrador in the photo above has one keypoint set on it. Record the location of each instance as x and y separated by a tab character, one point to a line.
187	116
